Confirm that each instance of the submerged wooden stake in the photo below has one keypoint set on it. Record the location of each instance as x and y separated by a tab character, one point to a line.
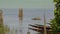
20	14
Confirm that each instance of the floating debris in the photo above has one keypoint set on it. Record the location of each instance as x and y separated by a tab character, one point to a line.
36	18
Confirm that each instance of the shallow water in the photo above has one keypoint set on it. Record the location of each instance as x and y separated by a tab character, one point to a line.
11	19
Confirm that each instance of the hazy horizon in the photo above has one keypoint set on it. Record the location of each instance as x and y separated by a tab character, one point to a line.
26	4
30	13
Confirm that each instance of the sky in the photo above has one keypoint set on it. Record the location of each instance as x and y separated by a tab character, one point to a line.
26	4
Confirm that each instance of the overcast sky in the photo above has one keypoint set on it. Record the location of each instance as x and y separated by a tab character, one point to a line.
26	3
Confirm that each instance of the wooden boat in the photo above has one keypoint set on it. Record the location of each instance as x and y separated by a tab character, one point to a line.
36	19
40	27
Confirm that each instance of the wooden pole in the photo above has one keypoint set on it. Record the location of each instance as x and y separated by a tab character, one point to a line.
44	24
20	15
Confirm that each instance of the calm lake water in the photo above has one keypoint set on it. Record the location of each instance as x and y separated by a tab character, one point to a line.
11	19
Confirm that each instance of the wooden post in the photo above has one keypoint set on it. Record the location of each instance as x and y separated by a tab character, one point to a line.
44	24
20	15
